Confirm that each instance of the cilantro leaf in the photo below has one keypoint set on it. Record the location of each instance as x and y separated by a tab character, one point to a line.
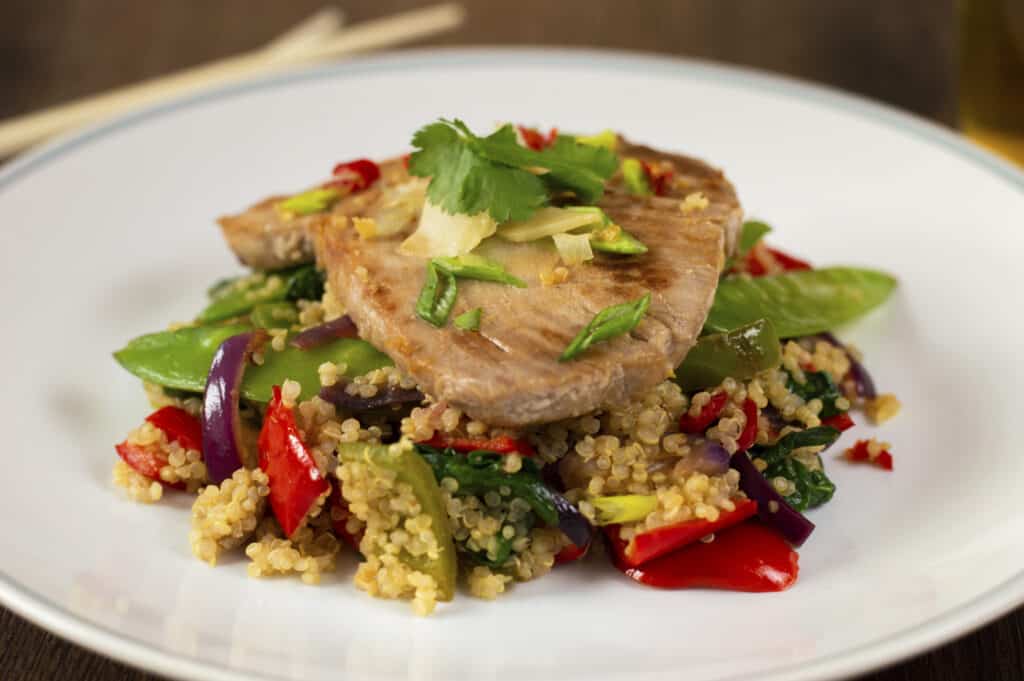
470	174
463	181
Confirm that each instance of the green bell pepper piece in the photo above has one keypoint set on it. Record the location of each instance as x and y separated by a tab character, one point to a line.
623	244
410	468
274	316
740	353
181	360
800	303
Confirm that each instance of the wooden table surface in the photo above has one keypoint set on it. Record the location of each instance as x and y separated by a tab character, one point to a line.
902	53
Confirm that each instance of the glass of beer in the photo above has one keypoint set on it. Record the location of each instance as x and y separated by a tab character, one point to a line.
992	74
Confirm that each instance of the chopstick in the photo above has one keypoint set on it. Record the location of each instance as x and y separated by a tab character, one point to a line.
23	131
316	28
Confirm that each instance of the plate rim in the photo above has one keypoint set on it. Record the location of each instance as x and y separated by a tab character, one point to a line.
940	629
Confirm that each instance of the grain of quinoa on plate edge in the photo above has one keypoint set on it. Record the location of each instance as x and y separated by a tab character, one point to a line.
478	362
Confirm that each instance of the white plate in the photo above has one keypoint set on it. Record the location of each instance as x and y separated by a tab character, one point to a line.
109	234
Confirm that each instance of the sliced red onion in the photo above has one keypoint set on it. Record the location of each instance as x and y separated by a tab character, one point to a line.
789	522
862	380
710	458
222	446
386	396
342	327
571	522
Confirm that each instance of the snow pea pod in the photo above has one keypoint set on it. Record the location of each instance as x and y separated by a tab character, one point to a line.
180	359
407	466
274	316
740	353
799	303
237	297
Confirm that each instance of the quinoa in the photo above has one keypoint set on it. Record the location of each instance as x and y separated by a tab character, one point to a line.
310	552
882	408
224	516
370	383
158	397
137	486
184	466
486	584
395	527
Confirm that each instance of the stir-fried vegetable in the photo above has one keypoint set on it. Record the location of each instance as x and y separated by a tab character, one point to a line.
237	297
740	353
472	266
813	487
772	507
479	472
444	234
180	359
748	557
625	508
818	385
647	546
608	139
499	444
573	249
437	297
296	484
799	303
312	201
274	316
223	449
469	320
751	232
179	426
549	222
635	176
608	323
313	337
386	396
410	468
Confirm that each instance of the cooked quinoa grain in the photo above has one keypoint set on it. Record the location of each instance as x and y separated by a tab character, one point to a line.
224	516
138	487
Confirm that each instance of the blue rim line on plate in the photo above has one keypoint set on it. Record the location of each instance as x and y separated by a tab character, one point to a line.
886	651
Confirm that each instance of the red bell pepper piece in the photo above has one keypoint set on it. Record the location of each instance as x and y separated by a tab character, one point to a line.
708	415
179	426
503	444
749	557
295	481
355	175
749	434
661	540
840	421
339	517
146	461
859	452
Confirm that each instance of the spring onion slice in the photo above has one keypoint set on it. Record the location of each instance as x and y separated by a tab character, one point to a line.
608	323
472	266
469	320
437	297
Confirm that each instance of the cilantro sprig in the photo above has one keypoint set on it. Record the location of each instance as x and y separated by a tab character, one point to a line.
472	174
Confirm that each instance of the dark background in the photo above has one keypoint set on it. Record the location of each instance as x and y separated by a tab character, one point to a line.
900	52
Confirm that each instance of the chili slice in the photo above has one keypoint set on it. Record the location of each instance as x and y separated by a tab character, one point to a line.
502	444
708	414
749	434
840	421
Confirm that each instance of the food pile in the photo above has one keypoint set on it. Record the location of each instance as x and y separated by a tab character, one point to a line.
499	354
